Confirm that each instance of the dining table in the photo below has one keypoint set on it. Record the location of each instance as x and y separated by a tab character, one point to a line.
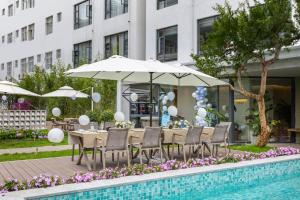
86	139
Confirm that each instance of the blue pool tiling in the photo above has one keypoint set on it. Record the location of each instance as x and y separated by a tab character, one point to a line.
280	180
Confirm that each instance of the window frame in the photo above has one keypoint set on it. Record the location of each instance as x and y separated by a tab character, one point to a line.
49	30
108	13
125	34
9	38
24	34
9	66
48	65
158	45
31	29
10	10
213	17
30	60
76	14
76	52
165	6
59	17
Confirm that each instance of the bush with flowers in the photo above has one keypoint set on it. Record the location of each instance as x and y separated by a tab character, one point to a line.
181	124
123	124
44	181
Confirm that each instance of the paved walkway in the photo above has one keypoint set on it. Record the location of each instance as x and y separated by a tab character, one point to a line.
35	149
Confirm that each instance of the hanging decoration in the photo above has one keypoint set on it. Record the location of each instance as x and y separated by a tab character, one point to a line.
201	105
84	120
119	117
56	112
96	97
134	97
168	109
56	135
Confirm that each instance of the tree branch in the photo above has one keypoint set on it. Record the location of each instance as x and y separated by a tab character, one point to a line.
242	90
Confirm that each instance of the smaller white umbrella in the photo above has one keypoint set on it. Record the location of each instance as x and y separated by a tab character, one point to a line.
66	91
7	87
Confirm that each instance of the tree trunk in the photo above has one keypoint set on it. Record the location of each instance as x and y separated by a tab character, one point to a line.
264	132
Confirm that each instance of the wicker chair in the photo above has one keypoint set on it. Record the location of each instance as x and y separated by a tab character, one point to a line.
117	142
219	137
191	140
151	142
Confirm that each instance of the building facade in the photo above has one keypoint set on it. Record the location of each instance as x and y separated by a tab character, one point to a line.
43	32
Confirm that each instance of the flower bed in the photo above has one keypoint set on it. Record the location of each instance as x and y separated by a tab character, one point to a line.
44	181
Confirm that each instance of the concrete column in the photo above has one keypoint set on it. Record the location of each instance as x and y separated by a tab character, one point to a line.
119	96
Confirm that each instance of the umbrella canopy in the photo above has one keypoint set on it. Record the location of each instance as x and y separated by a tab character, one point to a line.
66	91
137	71
7	87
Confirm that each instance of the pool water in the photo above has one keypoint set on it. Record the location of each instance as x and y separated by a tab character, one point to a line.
280	180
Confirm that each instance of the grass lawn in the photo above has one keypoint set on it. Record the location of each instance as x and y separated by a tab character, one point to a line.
22	143
250	148
28	156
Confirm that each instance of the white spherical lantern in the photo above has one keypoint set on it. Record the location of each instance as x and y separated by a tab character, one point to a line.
56	112
171	96
194	95
224	108
119	116
4	98
134	97
96	97
209	105
84	120
21	100
172	111
202	112
56	135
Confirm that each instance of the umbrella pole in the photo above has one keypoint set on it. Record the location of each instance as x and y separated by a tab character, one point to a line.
151	96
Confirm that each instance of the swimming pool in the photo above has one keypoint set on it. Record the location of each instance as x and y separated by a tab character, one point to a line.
275	180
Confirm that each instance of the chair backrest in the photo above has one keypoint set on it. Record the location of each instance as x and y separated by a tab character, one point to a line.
80	127
193	135
219	134
152	137
117	139
108	125
228	124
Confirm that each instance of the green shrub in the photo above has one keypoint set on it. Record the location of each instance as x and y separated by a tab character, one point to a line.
106	116
93	115
7	134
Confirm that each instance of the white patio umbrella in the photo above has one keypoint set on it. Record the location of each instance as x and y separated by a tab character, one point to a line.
66	91
7	87
138	71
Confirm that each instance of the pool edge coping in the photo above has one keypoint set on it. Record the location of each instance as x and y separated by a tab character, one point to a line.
101	184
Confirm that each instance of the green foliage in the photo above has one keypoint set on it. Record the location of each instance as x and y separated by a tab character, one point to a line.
93	115
29	142
41	82
213	117
7	134
250	148
248	34
107	116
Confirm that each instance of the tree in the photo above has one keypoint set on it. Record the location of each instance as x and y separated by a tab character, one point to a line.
254	33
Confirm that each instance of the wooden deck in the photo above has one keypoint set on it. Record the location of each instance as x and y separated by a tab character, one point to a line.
24	169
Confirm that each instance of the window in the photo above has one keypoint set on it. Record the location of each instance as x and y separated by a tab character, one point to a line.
115	7
166	3
58	54
9	38
23	67
3	11
17	33
82	14
3	39
30	64
48	60
204	28
116	44
31	3
167	44
17	4
49	25
2	66
39	58
16	63
9	69
31	32
82	52
59	17
10	10
24	4
24	33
